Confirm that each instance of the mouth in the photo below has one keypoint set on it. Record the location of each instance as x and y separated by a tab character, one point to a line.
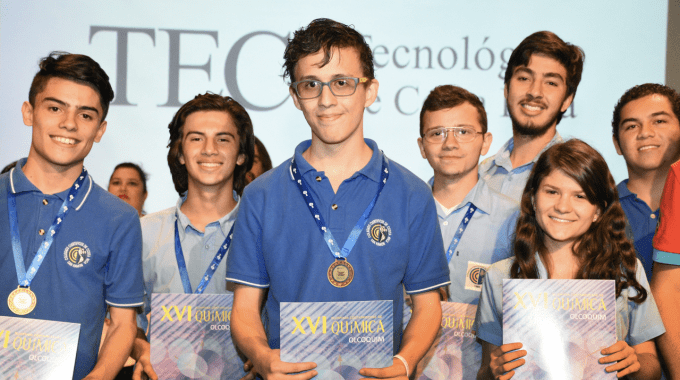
560	220
123	196
532	107
647	147
210	165
328	117
64	140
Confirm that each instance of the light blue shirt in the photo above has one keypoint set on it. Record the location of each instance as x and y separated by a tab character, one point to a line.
498	172
161	274
488	238
635	323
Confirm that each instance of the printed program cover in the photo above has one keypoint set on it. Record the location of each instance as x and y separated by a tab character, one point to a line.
340	337
190	337
563	325
455	353
37	349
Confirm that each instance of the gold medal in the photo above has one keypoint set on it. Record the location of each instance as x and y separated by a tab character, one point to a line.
340	273
21	301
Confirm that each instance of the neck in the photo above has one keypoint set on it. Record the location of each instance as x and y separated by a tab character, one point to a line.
206	205
648	184
450	191
50	178
338	161
526	148
563	263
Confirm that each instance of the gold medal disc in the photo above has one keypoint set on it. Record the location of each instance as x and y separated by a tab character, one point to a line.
340	273
21	301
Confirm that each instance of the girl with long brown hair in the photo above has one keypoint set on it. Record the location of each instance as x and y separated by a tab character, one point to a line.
571	226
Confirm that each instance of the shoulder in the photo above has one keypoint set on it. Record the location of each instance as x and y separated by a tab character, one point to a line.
500	270
156	218
270	181
499	204
487	164
105	205
403	178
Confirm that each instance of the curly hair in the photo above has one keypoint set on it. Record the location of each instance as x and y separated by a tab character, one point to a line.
211	102
324	35
604	251
550	45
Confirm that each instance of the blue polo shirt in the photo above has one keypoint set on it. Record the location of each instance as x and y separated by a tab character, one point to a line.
643	221
498	172
488	238
277	244
108	234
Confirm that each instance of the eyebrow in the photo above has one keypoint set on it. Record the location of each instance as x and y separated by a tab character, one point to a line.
63	103
336	76
203	133
527	70
634	119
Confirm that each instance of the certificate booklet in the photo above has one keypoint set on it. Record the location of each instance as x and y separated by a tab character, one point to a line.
563	325
455	354
190	337
37	349
340	337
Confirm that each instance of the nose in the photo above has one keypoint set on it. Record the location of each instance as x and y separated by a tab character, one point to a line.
450	142
646	130
563	204
209	147
68	121
326	99
535	88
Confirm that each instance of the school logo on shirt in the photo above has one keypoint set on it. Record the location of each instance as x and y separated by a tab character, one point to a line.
379	232
77	254
475	276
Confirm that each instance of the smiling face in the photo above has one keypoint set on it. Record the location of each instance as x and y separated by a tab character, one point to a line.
536	94
126	184
210	149
562	210
648	134
66	120
452	159
334	119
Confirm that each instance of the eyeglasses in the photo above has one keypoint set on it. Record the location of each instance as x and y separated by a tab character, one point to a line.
462	134
310	89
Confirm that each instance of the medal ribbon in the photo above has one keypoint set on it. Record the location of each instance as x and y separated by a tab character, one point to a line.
25	277
338	253
459	232
182	266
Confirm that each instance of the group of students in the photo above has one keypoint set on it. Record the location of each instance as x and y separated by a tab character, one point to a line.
539	208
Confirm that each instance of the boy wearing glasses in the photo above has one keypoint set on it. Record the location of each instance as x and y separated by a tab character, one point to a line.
336	183
477	223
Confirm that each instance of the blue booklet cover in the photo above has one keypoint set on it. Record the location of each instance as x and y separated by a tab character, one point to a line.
190	337
37	349
340	337
455	353
563	325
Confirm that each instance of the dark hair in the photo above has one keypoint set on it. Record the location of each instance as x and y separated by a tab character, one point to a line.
77	68
211	102
550	45
265	160
640	91
604	251
325	34
8	167
142	174
448	96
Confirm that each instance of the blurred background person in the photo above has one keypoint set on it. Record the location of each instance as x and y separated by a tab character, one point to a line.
261	164
128	182
13	163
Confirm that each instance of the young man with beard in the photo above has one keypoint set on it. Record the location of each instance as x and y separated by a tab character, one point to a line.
477	223
395	242
646	132
67	246
540	84
211	150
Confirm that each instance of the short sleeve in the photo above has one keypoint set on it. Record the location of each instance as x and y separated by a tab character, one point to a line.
427	267
245	262
489	319
645	321
124	280
665	239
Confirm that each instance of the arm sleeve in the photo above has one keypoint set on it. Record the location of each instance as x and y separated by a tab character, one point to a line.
645	320
666	243
123	279
489	319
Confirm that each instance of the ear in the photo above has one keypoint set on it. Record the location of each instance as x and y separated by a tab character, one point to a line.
293	95
422	149
371	92
100	132
505	91
566	103
240	159
488	138
144	197
27	113
616	145
181	159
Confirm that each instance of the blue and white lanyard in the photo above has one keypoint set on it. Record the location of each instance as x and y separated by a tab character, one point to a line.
182	266
459	232
25	277
340	254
